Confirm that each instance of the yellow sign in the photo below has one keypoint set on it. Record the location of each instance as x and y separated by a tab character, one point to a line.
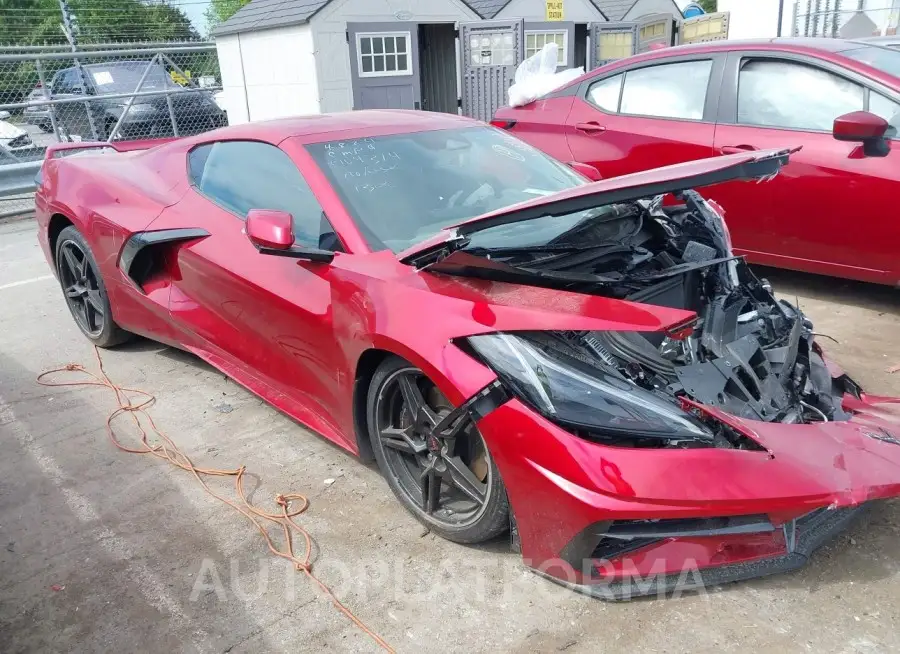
554	9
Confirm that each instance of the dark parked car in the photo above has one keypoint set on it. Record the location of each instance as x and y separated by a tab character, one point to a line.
148	116
830	209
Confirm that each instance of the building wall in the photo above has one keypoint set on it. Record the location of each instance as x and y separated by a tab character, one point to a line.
647	7
233	90
578	11
332	54
279	71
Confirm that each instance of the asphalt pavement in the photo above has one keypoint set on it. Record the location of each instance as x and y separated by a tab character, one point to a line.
103	551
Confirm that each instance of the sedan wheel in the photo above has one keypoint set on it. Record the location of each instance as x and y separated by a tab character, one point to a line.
84	291
447	480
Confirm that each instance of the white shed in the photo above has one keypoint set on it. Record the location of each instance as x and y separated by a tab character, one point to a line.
289	57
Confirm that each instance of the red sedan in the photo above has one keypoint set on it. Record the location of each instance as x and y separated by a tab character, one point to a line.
829	211
586	365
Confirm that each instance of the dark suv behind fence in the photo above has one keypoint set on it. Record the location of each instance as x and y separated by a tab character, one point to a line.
149	116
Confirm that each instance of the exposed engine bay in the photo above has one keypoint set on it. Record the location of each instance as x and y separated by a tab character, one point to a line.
748	353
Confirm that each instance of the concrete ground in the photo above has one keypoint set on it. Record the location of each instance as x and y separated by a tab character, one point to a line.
104	551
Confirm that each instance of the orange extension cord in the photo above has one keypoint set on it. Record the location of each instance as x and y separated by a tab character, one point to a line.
168	450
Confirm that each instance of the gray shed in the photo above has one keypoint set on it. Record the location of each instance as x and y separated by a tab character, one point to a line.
290	57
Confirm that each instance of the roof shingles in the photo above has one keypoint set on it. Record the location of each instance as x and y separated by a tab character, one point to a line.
262	14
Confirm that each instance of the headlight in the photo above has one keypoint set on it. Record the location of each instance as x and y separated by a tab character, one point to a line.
574	394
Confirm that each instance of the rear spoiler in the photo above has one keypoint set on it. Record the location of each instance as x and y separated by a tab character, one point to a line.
59	150
118	146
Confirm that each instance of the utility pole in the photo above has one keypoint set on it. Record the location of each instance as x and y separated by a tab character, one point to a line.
70	29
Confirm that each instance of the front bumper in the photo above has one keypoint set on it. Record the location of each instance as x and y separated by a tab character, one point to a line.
566	492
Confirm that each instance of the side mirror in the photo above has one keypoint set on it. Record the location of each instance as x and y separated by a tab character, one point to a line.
4	115
272	232
585	169
863	127
270	229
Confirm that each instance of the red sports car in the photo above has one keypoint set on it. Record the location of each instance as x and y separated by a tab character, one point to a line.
584	364
828	212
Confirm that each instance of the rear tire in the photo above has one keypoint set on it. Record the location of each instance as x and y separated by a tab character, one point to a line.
84	290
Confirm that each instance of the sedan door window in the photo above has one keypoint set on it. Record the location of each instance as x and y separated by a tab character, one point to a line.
676	90
244	175
793	95
605	94
887	109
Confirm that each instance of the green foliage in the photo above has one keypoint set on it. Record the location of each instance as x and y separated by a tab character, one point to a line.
38	22
219	11
709	6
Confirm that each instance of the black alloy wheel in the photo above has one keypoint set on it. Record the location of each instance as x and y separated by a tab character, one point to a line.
448	479
84	290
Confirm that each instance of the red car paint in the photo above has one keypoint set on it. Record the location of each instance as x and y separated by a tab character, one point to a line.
829	211
295	333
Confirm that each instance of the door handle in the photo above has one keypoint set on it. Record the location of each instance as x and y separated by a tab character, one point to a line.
735	149
590	127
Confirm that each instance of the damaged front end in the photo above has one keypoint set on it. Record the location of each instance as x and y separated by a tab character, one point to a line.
747	354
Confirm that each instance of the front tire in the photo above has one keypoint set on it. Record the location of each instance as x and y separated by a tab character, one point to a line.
449	483
84	290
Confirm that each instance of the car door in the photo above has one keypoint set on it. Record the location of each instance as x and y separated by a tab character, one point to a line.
655	113
268	316
829	210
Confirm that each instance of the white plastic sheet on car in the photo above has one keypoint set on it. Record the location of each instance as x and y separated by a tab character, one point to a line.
537	76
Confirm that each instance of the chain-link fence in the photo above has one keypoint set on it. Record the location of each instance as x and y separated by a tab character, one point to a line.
843	19
100	93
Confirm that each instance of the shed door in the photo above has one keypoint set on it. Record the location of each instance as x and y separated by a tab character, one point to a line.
655	29
539	34
384	65
491	50
707	27
611	41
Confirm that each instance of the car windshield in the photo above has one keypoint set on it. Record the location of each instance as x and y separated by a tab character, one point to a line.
884	59
404	188
124	77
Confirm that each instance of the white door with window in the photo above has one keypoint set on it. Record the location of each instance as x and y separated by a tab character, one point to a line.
384	64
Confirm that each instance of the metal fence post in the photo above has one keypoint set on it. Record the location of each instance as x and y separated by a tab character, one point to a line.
70	32
795	17
130	101
51	107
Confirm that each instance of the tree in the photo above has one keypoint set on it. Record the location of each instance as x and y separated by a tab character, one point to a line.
219	11
709	6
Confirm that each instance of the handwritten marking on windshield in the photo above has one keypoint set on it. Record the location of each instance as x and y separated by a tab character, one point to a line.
506	152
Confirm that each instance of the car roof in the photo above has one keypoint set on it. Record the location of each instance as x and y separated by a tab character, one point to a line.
348	124
796	45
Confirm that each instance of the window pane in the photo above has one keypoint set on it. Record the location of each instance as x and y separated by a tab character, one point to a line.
377	45
367	64
670	90
530	41
784	94
245	175
389	44
605	93
379	63
880	58
365	45
401	63
890	111
401	44
390	62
